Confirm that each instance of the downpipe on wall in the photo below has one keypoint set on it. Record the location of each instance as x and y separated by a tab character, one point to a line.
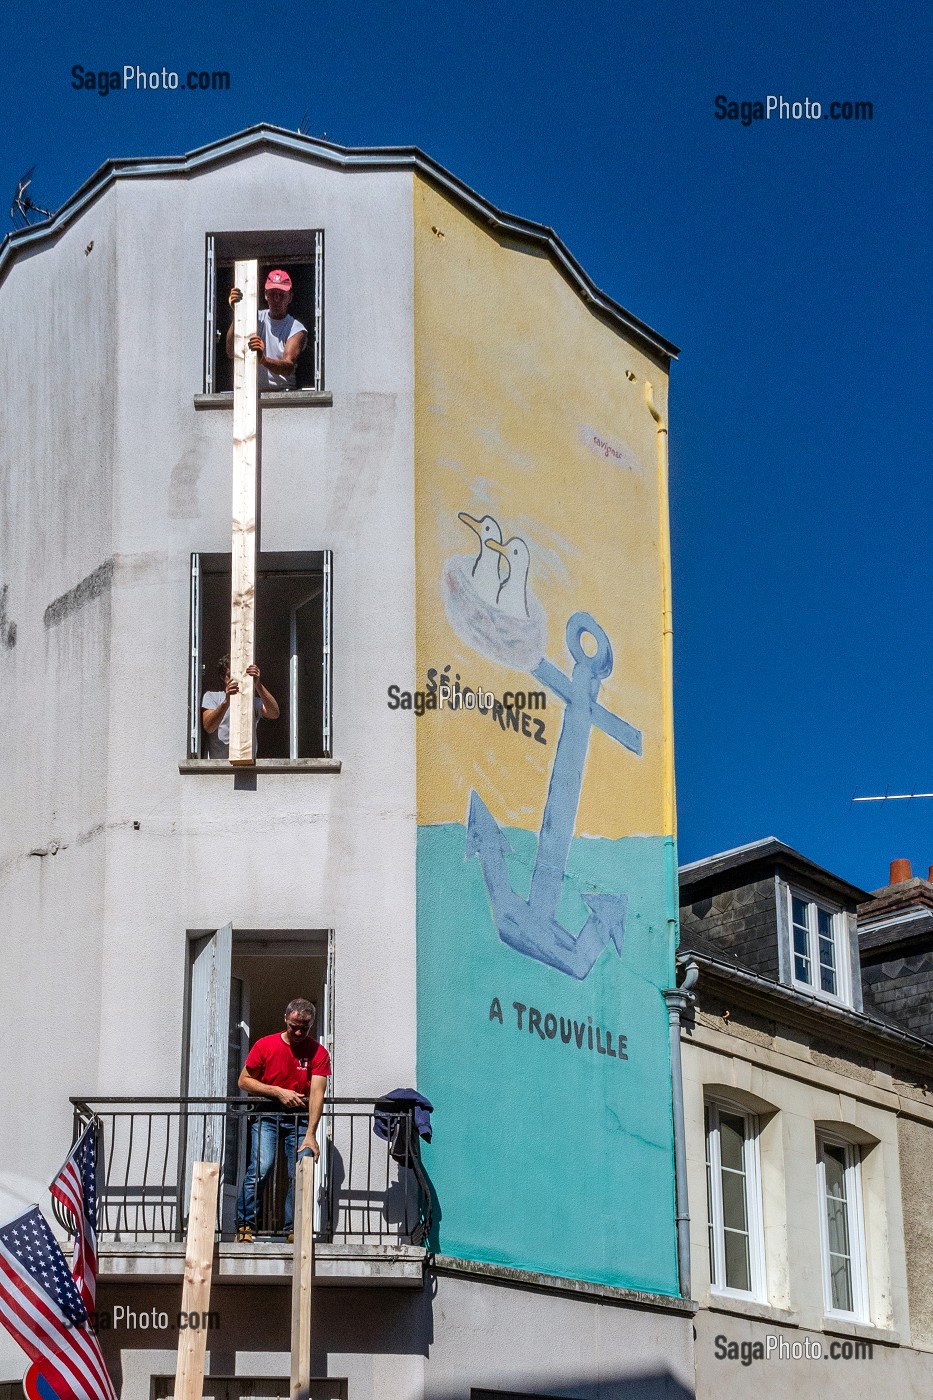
678	1000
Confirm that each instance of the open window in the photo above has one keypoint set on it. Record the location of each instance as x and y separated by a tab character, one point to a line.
300	253
293	648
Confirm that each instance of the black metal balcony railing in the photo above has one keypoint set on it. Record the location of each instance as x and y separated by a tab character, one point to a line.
147	1147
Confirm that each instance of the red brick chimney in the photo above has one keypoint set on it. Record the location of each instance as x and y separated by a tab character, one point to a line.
900	871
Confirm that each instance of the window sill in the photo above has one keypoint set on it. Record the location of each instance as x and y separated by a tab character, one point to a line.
864	1331
287	398
748	1307
262	765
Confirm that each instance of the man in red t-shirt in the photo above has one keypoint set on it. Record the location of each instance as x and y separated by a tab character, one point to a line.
291	1068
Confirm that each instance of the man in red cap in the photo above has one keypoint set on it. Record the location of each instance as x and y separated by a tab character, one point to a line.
281	337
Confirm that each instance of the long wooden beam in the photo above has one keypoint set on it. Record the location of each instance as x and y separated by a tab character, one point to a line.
196	1292
246	452
302	1279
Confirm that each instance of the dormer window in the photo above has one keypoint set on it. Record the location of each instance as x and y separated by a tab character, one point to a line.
818	947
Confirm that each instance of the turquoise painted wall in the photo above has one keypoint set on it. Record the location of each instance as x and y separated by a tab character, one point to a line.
547	1155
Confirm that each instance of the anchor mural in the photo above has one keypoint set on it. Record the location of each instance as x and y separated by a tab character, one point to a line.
531	925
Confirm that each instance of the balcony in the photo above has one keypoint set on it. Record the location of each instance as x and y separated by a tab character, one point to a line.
372	1209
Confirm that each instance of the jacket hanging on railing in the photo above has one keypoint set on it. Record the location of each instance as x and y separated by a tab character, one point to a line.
392	1106
401	1119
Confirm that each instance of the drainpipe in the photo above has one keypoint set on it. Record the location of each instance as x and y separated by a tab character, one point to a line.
678	999
667	621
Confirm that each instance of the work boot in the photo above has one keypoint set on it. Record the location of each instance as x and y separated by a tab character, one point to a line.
290	1237
244	1234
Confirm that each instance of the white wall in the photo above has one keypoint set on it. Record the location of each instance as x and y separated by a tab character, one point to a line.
104	456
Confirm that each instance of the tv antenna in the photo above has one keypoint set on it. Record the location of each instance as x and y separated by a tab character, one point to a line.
894	797
24	207
303	127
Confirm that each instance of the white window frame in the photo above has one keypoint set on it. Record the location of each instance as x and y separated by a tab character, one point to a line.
855	1223
282	245
298	561
751	1161
842	996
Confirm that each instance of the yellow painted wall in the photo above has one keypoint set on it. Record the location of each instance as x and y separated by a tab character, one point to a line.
523	410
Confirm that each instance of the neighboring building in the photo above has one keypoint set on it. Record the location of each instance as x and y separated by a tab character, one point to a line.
895	934
480	900
895	930
809	1126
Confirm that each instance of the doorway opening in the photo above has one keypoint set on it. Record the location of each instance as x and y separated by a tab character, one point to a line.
240	982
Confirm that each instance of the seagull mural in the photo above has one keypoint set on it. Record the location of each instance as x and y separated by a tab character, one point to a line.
485	572
512	596
490	608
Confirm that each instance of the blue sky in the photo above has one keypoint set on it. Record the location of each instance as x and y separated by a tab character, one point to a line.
789	259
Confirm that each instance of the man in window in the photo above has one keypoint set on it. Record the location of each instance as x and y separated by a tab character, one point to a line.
291	1068
215	709
281	337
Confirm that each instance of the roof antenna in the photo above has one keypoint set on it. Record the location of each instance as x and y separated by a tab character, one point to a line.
303	129
895	797
23	207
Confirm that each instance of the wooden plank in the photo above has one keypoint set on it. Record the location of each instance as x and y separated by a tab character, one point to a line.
302	1278
245	511
196	1293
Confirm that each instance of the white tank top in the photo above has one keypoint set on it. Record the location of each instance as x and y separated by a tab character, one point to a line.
274	335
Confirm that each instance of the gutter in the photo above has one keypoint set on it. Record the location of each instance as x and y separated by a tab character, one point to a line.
811	1006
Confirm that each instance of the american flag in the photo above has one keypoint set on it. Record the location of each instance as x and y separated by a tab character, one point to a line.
41	1308
75	1187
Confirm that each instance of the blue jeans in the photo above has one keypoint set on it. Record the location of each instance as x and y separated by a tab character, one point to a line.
266	1131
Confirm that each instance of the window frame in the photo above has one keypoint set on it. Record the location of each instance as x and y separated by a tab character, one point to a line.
855	1225
283	245
277	562
751	1160
842	996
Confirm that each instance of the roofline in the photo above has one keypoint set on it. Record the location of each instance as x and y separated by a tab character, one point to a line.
750	846
265	137
767	851
809	1007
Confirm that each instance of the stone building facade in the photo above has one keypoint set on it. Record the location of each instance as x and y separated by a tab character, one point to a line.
809	1119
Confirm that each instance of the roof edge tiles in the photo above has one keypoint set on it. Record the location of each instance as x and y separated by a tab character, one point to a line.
273	138
767	853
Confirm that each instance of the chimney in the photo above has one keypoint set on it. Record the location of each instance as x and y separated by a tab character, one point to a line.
900	871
